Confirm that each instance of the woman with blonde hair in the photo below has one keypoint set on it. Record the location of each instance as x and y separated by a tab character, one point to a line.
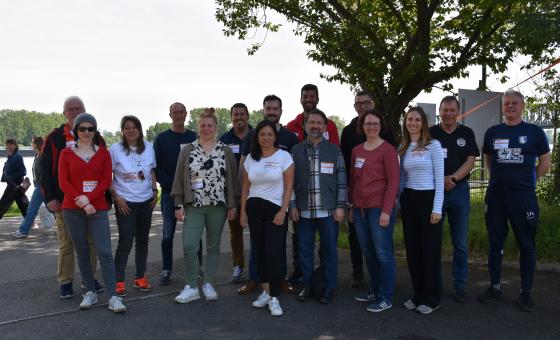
205	191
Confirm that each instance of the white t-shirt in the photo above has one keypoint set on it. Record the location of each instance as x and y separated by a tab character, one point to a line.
132	173
267	176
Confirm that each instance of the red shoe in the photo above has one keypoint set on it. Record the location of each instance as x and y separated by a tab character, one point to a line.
143	284
120	289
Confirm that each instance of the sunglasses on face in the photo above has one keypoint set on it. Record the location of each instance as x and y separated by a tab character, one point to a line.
88	129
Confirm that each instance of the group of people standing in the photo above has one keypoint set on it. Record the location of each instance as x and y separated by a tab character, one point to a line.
260	178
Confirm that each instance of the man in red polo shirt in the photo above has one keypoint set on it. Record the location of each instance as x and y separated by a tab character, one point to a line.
309	98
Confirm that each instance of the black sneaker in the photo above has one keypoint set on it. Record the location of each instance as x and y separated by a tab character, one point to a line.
165	277
526	303
66	291
490	295
460	296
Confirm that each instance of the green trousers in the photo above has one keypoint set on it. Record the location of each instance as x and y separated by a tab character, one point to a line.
213	217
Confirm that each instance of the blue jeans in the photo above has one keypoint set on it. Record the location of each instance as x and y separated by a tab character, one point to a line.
32	210
377	245
328	234
457	205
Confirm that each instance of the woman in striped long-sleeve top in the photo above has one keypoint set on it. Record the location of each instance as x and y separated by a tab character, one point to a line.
421	200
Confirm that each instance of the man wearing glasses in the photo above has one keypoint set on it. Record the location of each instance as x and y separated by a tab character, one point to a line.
349	138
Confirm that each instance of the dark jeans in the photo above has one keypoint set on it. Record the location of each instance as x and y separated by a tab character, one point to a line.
457	205
521	209
423	245
269	241
377	245
133	228
356	255
80	225
11	194
169	224
328	236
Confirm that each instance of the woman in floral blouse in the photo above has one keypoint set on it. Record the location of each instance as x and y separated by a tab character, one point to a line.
205	191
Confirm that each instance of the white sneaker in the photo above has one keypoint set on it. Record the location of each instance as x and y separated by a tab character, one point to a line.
409	304
274	307
116	304
424	309
262	300
209	292
188	294
90	298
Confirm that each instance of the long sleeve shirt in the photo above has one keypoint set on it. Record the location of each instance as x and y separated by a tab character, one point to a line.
423	170
78	177
14	170
374	179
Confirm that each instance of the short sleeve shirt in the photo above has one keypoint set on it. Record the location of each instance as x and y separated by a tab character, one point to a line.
267	176
514	151
132	172
208	175
457	146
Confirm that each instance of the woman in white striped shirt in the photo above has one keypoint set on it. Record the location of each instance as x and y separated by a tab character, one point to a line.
421	200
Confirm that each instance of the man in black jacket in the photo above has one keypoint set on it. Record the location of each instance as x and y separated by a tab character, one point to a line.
60	138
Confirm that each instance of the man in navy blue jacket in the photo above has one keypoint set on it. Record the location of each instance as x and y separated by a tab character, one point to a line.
167	146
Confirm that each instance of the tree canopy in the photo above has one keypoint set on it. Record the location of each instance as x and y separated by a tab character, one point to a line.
24	125
396	49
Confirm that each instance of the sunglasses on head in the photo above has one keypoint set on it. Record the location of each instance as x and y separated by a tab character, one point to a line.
88	128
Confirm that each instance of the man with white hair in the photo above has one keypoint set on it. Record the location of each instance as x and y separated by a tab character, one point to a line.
511	150
59	139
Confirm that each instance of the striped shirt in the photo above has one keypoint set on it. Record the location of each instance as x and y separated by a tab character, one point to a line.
423	170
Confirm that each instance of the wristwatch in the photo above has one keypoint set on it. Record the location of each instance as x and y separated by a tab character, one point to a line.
178	207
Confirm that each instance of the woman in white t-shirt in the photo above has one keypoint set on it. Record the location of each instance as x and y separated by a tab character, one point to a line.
134	192
267	186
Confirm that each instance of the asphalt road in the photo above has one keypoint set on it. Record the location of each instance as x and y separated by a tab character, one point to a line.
30	307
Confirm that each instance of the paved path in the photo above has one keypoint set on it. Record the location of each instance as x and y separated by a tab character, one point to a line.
30	307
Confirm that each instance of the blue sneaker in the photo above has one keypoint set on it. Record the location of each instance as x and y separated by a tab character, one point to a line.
368	296
66	291
98	287
380	306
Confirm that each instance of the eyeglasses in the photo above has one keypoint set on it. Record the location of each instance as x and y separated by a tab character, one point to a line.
370	125
364	103
88	128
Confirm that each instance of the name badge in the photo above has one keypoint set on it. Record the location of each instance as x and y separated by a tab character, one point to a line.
418	154
327	168
70	143
501	143
89	186
444	150
326	135
197	183
270	165
359	162
234	148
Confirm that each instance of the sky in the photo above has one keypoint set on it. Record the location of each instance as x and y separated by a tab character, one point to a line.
137	57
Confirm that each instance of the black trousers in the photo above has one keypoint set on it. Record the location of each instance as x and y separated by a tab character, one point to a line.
423	245
269	241
11	194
